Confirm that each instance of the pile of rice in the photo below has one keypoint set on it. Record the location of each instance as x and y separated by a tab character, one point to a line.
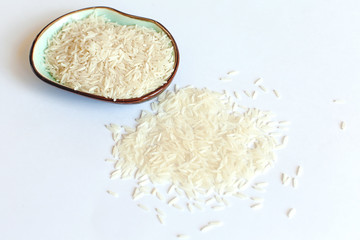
197	141
100	57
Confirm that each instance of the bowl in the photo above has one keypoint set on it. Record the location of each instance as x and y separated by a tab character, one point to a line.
40	43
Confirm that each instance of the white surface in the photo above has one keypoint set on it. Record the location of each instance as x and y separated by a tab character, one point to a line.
53	177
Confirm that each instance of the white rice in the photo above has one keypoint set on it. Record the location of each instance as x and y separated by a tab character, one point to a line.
160	218
143	207
342	125
114	194
177	206
299	170
196	142
294	182
160	212
240	195
263	88
256	206
257	199
233	73
254	94
100	57
218	207
159	196
247	93
285	179
258	81
210	226
189	207
339	101
291	213
237	95
173	200
277	94
261	184
225	79
182	236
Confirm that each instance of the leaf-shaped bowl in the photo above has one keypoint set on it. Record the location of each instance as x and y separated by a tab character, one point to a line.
37	60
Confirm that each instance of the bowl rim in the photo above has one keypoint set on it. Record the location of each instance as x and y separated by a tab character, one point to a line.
143	98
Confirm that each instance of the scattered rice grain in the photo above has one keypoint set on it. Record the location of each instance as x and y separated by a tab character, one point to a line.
294	182
159	196
291	213
277	94
225	79
182	236
160	218
258	81
339	101
240	195
247	93
261	184
237	95
263	88
177	206
257	199
233	73
342	125
114	194
217	207
173	200
143	207
299	170
254	94
256	206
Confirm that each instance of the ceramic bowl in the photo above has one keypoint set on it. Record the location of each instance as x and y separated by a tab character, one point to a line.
39	45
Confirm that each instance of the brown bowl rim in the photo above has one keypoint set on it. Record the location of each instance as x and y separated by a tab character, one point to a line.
143	98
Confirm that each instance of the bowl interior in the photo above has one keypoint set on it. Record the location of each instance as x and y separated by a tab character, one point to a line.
41	42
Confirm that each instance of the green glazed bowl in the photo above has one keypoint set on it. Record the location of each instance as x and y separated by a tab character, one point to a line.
39	45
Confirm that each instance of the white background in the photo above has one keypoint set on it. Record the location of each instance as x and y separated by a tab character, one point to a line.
53	177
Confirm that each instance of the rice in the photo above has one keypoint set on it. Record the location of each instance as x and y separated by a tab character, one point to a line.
189	207
159	196
339	101
262	88
210	225
173	200
256	206
247	93
257	199
233	73
143	207
294	182
225	79
177	206
160	212
160	219
342	125
291	213
285	179
299	170
258	81
240	195
114	194
261	184
210	201
196	142
100	57
182	236
277	94
254	94
217	207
